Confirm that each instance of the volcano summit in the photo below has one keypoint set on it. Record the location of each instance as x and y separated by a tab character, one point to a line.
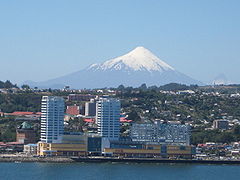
132	69
139	59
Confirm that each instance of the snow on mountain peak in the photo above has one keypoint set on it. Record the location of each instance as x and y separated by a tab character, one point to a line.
138	59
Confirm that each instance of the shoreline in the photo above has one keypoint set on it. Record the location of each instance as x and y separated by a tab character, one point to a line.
111	159
152	160
37	159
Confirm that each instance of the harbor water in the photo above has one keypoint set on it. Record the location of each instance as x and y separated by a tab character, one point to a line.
116	171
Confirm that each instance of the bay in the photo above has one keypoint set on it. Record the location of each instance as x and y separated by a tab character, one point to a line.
116	171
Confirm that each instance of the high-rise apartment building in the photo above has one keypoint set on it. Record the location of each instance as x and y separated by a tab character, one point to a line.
108	116
52	118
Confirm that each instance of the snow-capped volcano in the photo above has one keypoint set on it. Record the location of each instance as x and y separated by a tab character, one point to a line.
139	59
132	69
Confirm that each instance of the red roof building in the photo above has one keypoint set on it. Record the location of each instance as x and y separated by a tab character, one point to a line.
20	113
2	144
26	116
90	120
123	119
14	143
73	110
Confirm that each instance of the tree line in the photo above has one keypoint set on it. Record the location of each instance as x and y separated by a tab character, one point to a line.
7	84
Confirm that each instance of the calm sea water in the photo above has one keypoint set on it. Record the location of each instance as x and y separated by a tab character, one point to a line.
89	171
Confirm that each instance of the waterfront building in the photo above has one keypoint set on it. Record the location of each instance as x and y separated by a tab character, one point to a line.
108	117
161	133
144	150
90	108
94	145
11	147
30	149
73	144
52	119
25	134
221	124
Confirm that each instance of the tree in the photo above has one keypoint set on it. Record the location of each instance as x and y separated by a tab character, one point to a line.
133	115
121	87
236	130
7	84
143	86
25	86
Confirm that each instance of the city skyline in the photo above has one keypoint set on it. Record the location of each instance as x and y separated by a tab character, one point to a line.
45	40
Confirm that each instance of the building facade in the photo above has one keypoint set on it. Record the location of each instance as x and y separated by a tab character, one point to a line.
90	108
150	151
73	144
52	119
30	149
160	133
108	117
25	134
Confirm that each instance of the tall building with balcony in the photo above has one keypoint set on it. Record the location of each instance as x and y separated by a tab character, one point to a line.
108	117
52	118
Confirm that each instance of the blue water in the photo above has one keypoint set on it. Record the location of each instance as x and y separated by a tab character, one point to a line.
105	171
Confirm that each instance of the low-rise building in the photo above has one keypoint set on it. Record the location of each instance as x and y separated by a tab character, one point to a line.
140	150
24	116
30	149
25	134
73	144
80	97
73	110
11	147
221	124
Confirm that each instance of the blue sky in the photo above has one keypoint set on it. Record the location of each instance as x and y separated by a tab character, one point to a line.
40	40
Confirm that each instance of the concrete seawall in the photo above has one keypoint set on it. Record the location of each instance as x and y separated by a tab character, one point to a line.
151	160
37	159
17	159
